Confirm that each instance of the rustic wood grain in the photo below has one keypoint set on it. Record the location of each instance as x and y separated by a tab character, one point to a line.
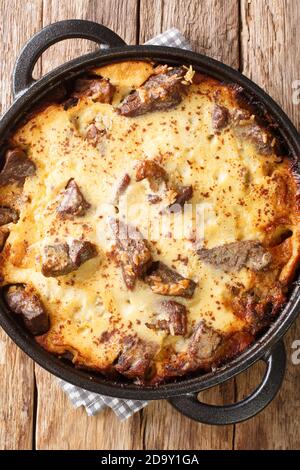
59	426
210	25
16	397
270	51
271	58
16	369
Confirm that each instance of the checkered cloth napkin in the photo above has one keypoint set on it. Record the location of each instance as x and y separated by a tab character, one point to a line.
93	402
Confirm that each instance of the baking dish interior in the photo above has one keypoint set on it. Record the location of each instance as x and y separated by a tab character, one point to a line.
88	379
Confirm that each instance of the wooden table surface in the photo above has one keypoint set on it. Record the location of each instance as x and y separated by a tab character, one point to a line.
259	38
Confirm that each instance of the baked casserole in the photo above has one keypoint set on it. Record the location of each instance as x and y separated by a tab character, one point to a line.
149	222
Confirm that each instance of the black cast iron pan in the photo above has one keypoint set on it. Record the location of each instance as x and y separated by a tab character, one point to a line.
269	348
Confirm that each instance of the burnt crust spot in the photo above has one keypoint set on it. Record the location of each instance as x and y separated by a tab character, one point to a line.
131	251
60	259
176	321
220	117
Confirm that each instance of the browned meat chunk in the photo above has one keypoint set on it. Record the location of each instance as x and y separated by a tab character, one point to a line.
99	89
16	168
81	251
262	140
136	357
155	174
73	201
159	92
122	186
7	215
184	194
165	281
204	342
234	256
176	321
131	251
61	258
94	135
4	232
56	260
24	301
220	117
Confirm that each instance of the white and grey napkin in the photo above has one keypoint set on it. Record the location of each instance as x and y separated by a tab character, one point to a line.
93	402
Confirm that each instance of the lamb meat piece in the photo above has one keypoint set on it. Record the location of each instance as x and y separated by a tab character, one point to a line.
61	258
131	251
234	256
204	342
81	251
94	135
155	174
165	281
220	117
176	323
99	89
16	168
73	201
160	92
24	301
56	260
262	140
7	215
4	232
136	357
184	194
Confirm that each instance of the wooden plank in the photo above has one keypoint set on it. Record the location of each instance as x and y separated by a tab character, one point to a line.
59	426
115	14
270	52
167	429
16	369
210	25
212	28
271	58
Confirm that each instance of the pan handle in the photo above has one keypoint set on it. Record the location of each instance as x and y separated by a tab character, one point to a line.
245	409
33	49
